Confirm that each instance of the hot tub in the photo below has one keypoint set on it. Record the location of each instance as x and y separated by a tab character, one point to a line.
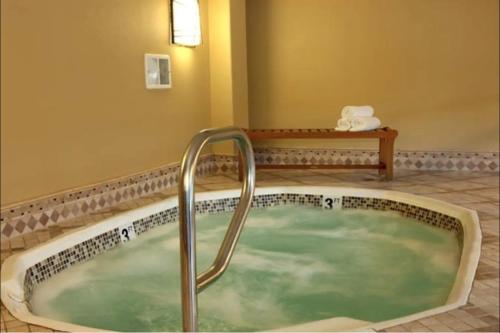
309	259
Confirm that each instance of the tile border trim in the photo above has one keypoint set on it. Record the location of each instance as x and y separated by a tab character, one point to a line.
408	160
37	214
41	213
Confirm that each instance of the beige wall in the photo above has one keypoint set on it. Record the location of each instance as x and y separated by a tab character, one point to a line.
75	110
228	66
74	107
221	86
239	64
429	67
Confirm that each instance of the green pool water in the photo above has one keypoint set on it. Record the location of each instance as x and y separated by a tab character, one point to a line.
292	265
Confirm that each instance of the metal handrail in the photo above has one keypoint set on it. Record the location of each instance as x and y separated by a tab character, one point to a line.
191	284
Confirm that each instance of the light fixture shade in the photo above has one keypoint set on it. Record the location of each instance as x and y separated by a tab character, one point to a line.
185	22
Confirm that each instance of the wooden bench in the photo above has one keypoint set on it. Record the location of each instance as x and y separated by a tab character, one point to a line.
386	137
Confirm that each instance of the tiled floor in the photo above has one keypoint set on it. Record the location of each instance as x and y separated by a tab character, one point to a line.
474	190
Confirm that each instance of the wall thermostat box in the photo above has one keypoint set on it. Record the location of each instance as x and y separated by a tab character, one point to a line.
157	71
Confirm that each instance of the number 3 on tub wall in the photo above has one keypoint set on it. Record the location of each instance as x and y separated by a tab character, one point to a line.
127	232
332	202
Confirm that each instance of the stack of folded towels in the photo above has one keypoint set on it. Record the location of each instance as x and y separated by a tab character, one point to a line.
357	118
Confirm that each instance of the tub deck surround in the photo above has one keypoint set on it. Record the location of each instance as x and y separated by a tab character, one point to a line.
477	190
21	273
61	208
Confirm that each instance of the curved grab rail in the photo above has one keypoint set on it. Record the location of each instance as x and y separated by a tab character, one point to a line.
191	284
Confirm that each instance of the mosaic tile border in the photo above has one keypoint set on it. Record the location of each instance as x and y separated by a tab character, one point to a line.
168	216
410	160
417	213
65	259
227	205
41	213
90	248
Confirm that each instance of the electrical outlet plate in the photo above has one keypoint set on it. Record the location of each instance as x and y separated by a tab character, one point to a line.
157	71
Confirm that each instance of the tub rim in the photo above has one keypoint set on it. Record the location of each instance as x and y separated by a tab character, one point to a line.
14	268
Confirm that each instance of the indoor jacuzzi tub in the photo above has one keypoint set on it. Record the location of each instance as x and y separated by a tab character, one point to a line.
309	259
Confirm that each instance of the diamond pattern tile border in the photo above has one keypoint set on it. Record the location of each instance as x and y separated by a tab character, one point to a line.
41	213
413	160
38	214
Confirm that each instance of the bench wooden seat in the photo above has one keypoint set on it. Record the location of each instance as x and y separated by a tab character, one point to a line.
386	137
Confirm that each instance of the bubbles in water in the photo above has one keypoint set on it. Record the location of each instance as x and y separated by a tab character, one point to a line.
292	265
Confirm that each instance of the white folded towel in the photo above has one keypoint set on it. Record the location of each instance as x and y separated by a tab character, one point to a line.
357	111
359	124
343	125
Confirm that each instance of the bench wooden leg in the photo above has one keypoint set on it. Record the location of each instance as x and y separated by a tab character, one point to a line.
382	155
389	158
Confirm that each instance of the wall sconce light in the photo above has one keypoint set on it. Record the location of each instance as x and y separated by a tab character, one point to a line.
185	22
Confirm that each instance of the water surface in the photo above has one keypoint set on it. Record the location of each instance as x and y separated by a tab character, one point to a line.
292	265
